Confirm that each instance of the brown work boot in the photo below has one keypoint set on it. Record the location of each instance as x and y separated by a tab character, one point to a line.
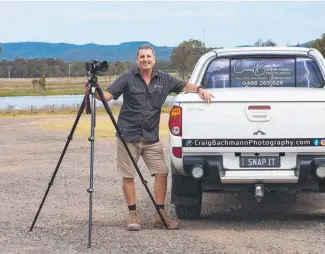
133	221
158	223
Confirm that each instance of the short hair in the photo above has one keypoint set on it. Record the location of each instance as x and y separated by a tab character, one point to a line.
145	46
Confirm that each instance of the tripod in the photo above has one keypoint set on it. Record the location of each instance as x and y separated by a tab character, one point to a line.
91	88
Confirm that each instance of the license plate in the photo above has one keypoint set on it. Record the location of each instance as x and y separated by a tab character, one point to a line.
259	162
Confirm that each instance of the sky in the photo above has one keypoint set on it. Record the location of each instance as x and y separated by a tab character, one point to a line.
162	23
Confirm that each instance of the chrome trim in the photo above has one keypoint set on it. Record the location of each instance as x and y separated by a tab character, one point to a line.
262	51
317	56
263	176
201	66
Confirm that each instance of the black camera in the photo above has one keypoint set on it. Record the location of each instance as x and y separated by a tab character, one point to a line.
95	66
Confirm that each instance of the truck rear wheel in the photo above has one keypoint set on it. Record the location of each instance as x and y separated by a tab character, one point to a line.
188	211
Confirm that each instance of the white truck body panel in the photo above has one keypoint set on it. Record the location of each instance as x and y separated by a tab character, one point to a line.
220	120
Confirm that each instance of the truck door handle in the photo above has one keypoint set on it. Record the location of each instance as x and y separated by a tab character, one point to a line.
259	114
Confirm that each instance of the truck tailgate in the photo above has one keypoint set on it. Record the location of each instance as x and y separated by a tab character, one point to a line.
254	120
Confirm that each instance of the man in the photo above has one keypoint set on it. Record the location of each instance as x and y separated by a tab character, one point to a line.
144	92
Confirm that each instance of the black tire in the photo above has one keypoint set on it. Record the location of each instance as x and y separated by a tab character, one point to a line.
188	211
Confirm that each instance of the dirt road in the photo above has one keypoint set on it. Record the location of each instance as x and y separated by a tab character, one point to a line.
229	224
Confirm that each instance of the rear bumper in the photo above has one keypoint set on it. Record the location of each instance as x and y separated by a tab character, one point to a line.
188	191
214	171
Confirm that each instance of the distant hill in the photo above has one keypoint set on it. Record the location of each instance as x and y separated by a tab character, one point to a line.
306	44
71	52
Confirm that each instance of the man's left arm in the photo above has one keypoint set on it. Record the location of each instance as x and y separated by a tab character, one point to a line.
204	94
177	86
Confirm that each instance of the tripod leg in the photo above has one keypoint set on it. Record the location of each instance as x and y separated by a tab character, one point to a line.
91	139
60	160
101	95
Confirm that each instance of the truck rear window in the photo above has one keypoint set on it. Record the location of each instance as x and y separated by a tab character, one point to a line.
263	72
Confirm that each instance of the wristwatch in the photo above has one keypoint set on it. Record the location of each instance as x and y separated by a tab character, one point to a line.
199	88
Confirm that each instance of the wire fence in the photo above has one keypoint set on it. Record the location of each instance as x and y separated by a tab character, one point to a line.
52	109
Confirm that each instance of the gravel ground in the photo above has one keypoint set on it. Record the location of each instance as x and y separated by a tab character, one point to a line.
230	223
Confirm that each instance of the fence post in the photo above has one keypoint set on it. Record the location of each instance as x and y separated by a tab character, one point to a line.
31	109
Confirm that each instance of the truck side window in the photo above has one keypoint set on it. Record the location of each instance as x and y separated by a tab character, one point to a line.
217	75
308	74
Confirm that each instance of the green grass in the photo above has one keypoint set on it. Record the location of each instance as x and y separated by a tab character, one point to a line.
38	93
104	126
51	119
54	86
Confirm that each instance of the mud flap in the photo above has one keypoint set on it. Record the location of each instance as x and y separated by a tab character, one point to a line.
186	190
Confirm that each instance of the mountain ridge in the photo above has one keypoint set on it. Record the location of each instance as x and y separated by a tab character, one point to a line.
69	52
125	51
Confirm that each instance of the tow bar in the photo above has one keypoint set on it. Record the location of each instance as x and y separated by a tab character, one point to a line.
259	192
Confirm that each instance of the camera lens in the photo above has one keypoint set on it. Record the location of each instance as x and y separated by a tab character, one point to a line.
103	66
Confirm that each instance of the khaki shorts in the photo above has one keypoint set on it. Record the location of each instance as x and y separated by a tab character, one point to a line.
152	154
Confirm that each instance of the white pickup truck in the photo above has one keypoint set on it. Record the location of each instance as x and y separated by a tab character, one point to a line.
264	131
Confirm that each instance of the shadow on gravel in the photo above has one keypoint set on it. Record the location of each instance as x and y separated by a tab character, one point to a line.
275	211
253	218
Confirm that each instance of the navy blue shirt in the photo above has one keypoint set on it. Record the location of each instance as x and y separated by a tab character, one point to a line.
140	112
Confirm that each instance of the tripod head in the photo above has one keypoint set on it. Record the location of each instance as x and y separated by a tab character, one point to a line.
93	67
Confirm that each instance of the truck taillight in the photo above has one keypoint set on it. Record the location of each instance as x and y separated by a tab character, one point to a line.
175	121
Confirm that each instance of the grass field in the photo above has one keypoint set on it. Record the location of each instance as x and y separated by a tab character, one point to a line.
54	86
104	126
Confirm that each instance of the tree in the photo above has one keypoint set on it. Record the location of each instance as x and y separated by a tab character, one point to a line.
0	49
53	67
34	83
111	70
319	44
268	43
185	56
121	67
42	82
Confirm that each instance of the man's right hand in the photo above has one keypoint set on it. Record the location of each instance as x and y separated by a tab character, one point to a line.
85	88
106	94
